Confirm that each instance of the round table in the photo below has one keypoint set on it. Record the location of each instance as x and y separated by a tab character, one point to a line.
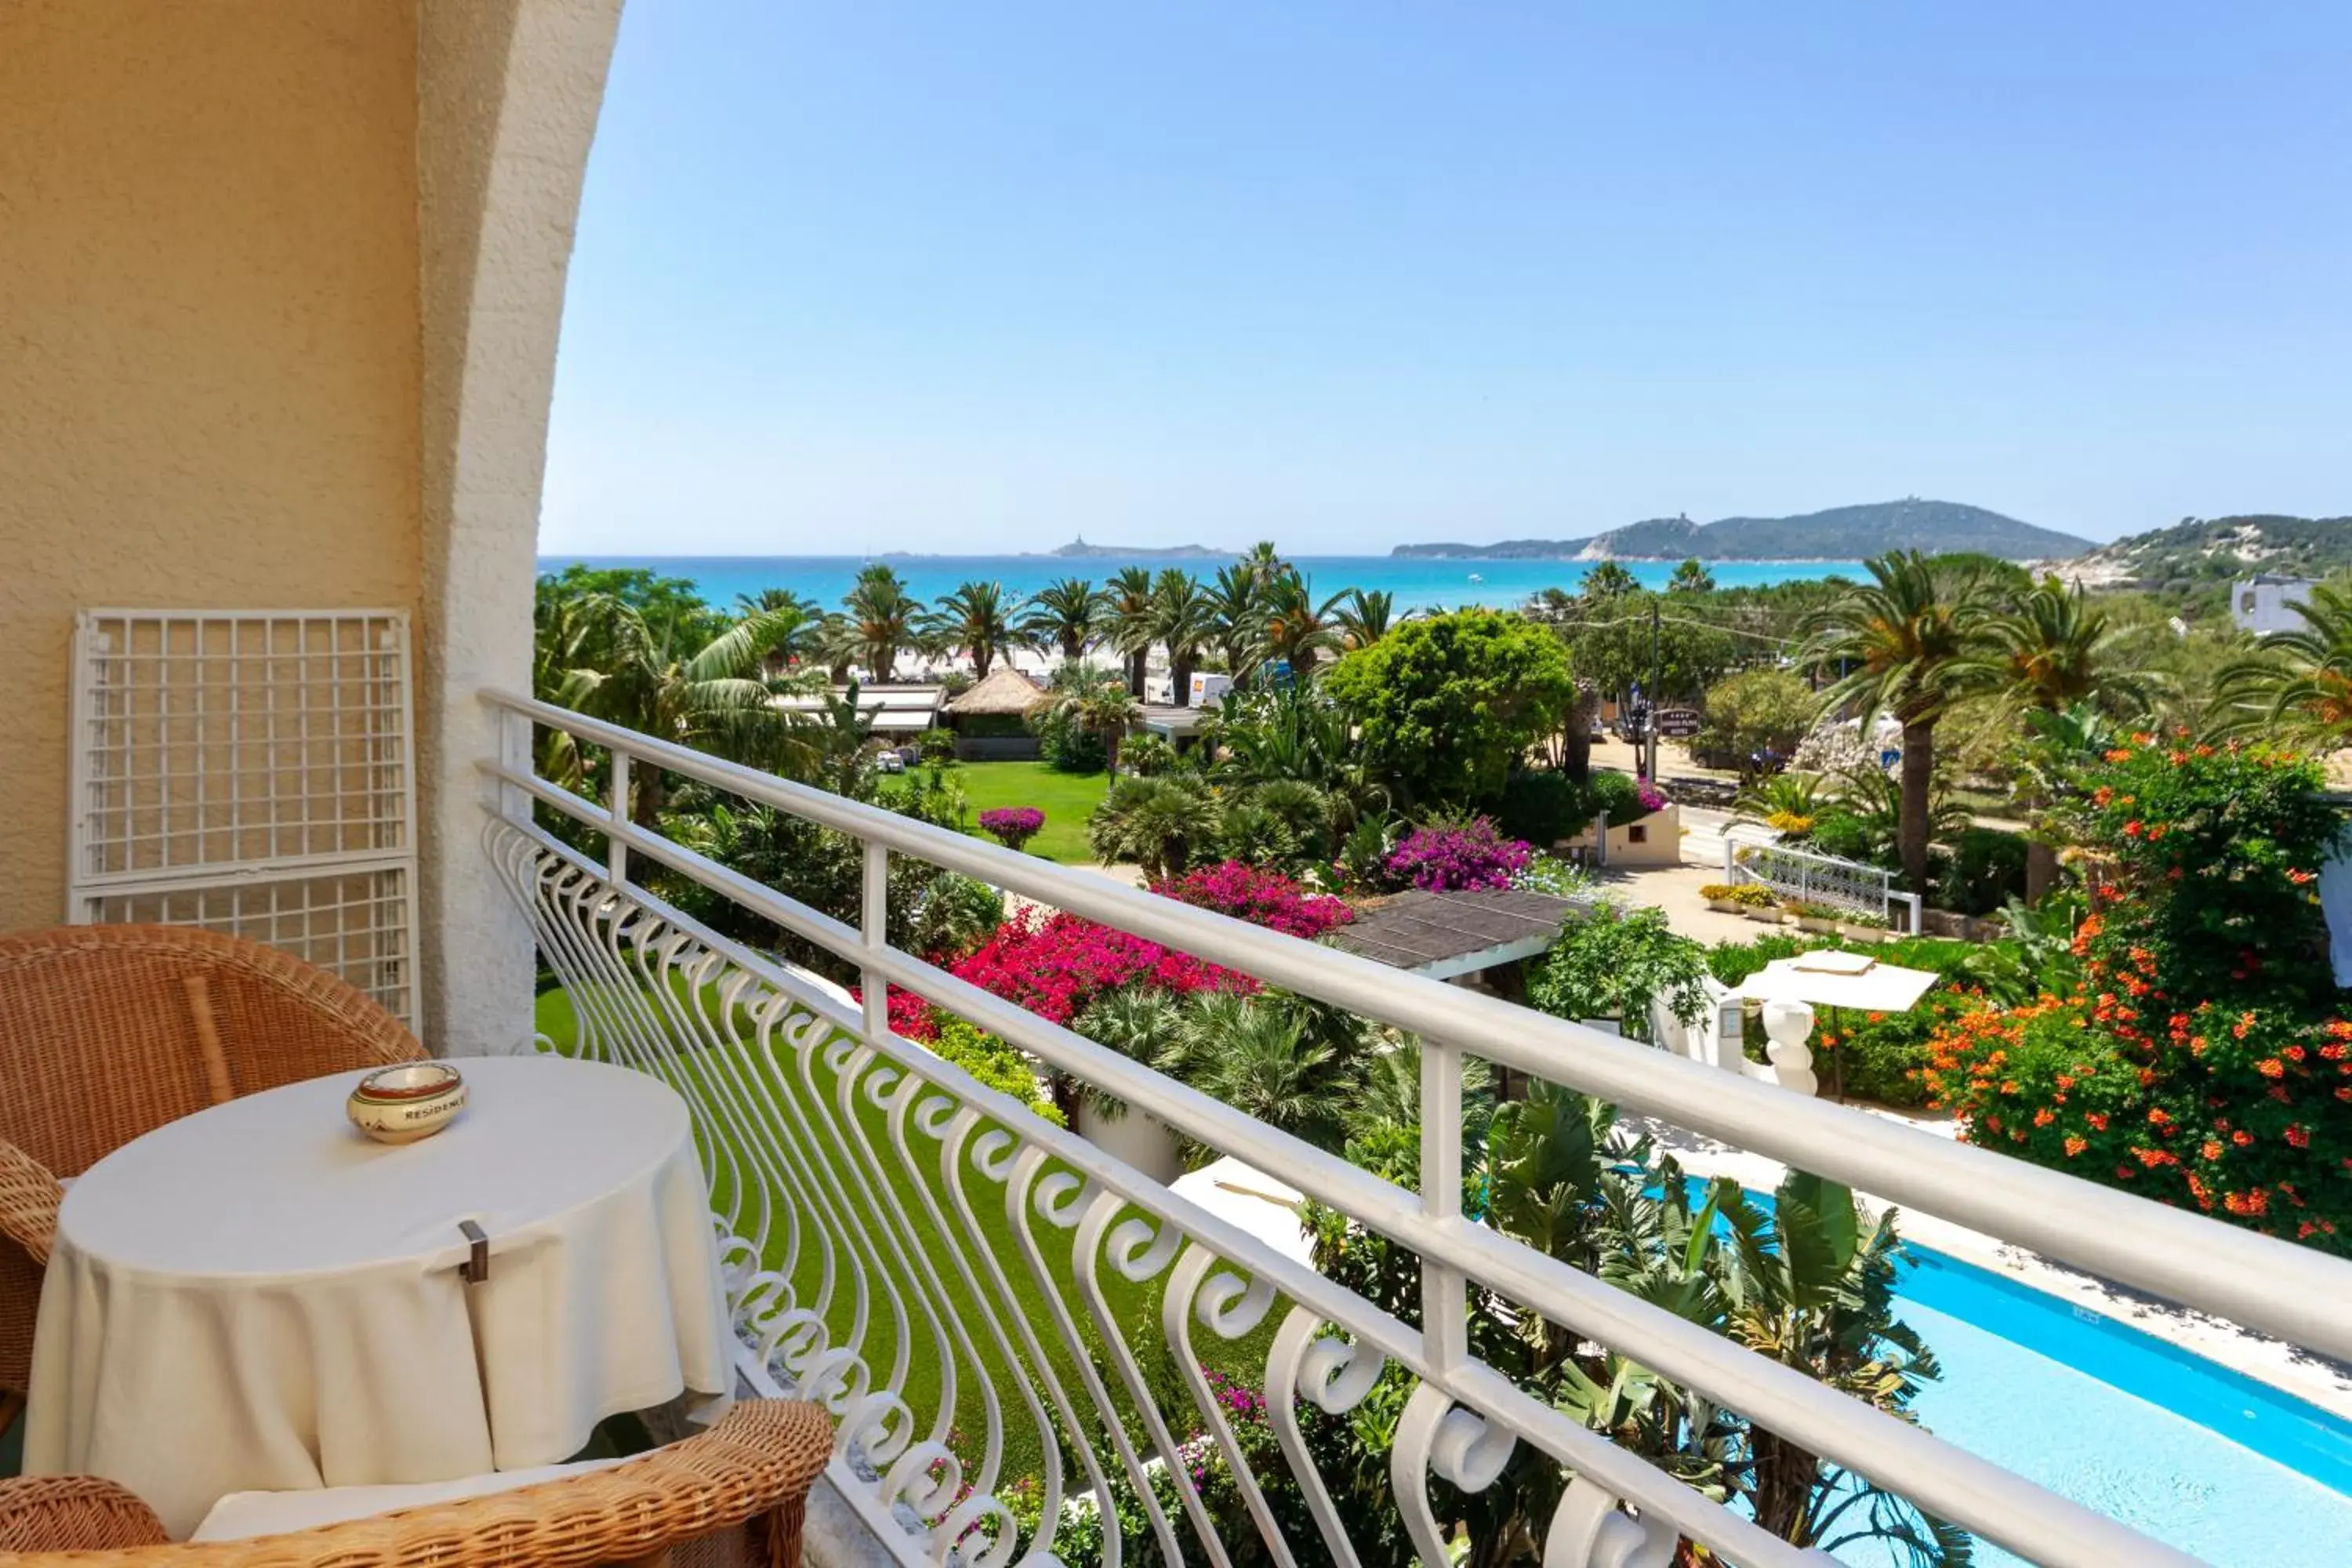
257	1298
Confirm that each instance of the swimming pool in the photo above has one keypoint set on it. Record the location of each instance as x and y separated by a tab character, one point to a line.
2182	1450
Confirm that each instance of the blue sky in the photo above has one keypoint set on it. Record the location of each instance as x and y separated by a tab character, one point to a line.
968	277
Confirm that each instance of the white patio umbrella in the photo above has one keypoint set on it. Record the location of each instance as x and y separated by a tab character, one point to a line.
1832	977
1250	1201
1835	978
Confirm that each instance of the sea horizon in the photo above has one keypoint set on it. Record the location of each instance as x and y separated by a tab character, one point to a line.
1415	582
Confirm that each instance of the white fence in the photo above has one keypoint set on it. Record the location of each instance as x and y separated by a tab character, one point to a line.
1813	878
994	1307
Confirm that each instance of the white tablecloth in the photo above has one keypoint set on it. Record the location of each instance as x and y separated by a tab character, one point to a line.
257	1298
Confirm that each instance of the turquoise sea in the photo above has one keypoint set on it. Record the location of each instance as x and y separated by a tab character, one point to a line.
1416	585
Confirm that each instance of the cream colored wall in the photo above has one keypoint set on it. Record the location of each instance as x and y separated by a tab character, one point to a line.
209	347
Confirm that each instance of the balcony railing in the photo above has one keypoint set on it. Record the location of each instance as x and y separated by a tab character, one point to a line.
991	1305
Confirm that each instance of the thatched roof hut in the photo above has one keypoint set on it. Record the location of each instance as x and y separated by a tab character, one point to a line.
1006	693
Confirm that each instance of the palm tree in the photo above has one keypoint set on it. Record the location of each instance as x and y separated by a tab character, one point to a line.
1294	628
1066	615
1691	577
1160	822
1183	621
1264	563
835	643
1128	612
1906	640
2300	684
884	615
977	619
1234	605
1810	1283
715	698
1259	1056
1608	580
1099	702
1364	618
2051	650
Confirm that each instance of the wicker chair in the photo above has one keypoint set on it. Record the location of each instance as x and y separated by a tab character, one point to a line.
734	1497
106	1032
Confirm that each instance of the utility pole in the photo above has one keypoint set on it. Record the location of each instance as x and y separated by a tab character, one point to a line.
1655	695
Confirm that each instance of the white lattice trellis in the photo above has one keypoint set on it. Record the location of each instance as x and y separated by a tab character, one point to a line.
250	772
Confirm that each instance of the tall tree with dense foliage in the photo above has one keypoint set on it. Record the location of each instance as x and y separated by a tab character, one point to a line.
1448	704
1755	712
979	619
1066	615
1907	642
1691	577
1096	702
882	617
1618	648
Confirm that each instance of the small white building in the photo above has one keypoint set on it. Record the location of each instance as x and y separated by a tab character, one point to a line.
2265	603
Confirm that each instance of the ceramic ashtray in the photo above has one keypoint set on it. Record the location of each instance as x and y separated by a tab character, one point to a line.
404	1104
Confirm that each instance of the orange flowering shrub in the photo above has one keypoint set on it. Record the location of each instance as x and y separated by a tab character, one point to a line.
2200	1060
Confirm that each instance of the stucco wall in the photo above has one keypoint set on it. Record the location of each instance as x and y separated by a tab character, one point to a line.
510	92
209	356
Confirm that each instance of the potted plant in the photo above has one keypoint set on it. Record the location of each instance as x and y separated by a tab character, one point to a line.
1720	897
1755	902
1857	927
1811	917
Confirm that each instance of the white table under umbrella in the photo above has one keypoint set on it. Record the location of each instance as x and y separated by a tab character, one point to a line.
1791	988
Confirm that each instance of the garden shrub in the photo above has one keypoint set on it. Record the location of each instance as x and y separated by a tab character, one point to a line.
936	746
1055	963
1543	805
1613	962
1146	755
1449	858
1848	836
1624	797
1065	741
997	1064
2201	1058
1260	897
1985	869
1012	826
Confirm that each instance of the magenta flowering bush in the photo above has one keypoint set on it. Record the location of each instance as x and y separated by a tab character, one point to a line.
1011	826
1055	965
1448	859
1649	794
1267	898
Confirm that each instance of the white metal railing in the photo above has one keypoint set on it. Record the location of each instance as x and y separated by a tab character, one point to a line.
1820	879
920	1252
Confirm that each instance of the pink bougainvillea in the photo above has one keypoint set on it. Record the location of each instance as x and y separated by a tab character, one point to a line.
1444	860
1012	826
1054	965
1267	898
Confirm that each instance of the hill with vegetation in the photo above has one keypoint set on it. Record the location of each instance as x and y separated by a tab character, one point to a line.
1841	533
2200	554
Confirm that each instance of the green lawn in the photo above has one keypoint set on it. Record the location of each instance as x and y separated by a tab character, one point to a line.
1067	799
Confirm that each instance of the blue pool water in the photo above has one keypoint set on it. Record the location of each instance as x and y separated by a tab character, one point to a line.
2184	1450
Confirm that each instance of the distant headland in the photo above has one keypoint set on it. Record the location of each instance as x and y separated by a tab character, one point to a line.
1842	533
